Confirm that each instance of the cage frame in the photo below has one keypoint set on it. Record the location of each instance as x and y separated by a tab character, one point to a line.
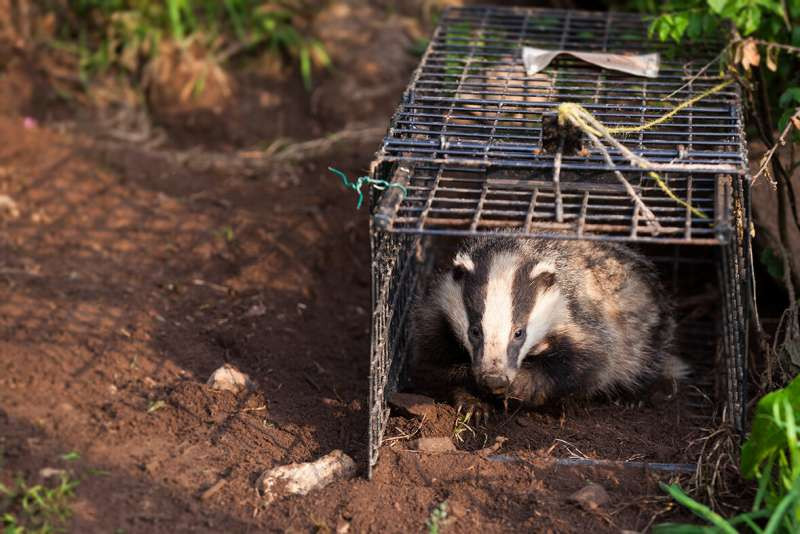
399	251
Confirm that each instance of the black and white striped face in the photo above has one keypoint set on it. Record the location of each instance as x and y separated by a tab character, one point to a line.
500	306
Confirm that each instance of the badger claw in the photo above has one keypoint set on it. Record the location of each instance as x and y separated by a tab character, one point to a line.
472	408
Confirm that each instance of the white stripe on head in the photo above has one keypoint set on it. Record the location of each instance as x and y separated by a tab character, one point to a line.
449	296
549	310
464	261
542	267
498	313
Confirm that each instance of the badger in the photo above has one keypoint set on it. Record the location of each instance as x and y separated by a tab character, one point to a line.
543	319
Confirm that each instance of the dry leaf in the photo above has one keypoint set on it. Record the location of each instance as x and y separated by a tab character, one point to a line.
795	121
772	57
750	55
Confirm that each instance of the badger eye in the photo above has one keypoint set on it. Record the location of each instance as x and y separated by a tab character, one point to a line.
475	331
518	333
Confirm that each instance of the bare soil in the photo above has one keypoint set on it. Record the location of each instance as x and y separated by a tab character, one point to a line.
126	279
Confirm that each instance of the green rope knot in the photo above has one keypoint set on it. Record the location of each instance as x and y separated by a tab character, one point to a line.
356	186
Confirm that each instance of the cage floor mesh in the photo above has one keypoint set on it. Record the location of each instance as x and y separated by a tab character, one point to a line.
469	129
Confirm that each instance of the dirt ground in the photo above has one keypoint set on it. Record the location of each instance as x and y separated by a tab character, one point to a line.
128	274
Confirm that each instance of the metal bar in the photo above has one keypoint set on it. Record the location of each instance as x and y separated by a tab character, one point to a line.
592	462
477	217
531	210
582	218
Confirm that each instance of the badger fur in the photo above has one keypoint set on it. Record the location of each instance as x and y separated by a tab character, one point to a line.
538	319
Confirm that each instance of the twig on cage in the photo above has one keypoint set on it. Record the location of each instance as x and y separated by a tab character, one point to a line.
557	181
794	122
645	211
699	72
580	117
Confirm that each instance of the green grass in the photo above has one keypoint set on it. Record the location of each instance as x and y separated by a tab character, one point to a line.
437	518
39	508
770	457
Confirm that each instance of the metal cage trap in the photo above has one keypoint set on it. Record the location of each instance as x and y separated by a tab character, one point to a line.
469	142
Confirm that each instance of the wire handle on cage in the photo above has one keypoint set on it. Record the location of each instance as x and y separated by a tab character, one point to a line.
356	186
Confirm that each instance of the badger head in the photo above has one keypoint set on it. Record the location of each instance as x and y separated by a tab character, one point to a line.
501	305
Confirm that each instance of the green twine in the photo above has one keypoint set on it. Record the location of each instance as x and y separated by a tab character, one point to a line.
356	186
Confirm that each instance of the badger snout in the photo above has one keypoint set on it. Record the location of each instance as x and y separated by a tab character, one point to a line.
496	383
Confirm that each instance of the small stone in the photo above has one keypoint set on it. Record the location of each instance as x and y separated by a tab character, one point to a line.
411	405
342	527
229	378
8	206
301	478
437	444
590	497
148	382
50	472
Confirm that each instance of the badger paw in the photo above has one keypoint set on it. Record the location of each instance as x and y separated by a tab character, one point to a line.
530	388
471	408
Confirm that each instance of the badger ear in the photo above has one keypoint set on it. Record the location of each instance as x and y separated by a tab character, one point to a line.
461	264
543	275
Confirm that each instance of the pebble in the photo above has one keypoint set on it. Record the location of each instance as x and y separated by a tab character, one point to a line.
50	472
302	478
590	497
229	378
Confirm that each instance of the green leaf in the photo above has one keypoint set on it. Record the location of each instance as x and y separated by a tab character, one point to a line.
695	28
679	25
749	19
305	67
717	6
676	528
791	499
699	509
791	95
772	262
71	456
768	436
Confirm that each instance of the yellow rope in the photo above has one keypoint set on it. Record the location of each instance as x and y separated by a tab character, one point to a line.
577	114
665	188
568	108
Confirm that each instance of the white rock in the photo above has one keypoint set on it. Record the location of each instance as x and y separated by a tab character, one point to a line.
50	472
590	497
7	205
301	478
229	378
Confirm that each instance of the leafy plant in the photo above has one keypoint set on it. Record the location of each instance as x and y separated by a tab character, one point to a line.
124	34
36	508
768	35
771	457
437	518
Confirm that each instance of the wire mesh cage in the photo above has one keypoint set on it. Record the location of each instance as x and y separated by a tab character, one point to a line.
468	144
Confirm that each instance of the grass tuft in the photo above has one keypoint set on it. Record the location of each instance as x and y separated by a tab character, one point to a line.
436	520
36	509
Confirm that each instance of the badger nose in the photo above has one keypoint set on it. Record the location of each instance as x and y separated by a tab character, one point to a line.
495	383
